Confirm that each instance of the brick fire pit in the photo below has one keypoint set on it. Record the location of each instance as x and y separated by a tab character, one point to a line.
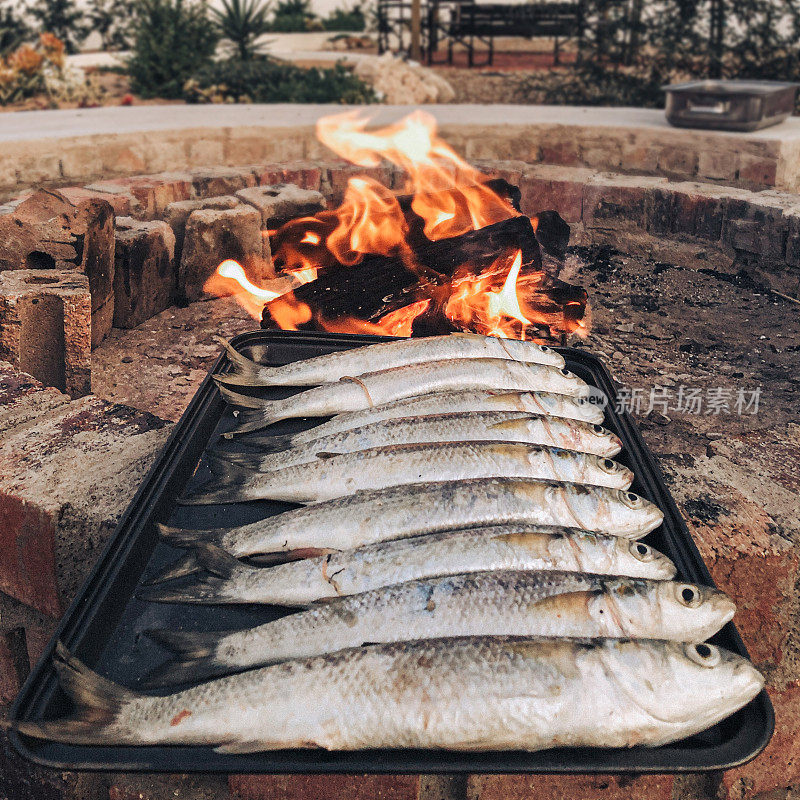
688	283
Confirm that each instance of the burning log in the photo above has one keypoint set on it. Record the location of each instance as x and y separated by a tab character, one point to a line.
378	286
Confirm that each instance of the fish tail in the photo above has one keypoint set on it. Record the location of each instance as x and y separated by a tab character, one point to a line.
238	399
228	486
242	365
194	657
260	444
99	706
207	589
237	458
187	565
189	538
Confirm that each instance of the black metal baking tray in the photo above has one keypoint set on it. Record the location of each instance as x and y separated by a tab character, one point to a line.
729	105
104	625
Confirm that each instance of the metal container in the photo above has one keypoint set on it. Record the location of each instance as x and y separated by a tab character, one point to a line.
103	626
729	105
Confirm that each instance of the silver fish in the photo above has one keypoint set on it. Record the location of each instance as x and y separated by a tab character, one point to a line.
400	512
331	367
586	409
337	574
481	426
357	392
458	694
332	475
506	603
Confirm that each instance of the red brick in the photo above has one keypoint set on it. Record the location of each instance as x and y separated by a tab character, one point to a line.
120	202
697	215
222	180
606	205
569	787
168	787
278	203
778	767
148	195
324	787
64	479
304	174
338	176
46	326
759	173
145	274
560	150
540	194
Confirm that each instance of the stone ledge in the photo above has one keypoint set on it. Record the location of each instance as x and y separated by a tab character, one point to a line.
51	147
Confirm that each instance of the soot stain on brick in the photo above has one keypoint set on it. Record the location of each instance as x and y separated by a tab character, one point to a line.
704	509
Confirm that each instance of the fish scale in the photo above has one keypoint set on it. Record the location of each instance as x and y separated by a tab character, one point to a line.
353	571
505	602
332	475
497	693
503	426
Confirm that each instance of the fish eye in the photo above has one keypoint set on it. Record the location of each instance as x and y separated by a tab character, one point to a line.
641	551
566	373
545	348
598	429
631	499
704	654
609	465
688	595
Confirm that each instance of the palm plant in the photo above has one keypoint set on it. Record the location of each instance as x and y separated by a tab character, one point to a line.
242	22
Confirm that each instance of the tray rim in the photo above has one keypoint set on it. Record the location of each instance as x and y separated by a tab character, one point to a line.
78	617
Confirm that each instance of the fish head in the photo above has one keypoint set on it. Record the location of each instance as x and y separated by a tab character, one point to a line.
601	440
688	612
618	474
671	610
569	383
639	515
689	685
639	558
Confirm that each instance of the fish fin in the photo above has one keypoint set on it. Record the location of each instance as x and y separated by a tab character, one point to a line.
241	363
189	537
205	590
238	399
217	561
186	565
237	458
195	657
506	424
241	748
282	556
228	486
98	703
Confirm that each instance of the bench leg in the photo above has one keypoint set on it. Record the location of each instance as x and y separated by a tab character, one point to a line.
556	52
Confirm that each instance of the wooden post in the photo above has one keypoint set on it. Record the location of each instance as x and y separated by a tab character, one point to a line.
416	30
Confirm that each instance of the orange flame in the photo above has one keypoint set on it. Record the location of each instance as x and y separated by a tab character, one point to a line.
447	197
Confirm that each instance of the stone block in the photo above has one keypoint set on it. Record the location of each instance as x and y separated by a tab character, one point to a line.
305	174
324	787
23	398
119	201
678	162
793	240
24	632
214	235
176	214
65	477
698	215
757	172
222	180
337	177
561	190
718	165
608	205
168	787
46	326
281	202
570	787
148	195
98	264
145	271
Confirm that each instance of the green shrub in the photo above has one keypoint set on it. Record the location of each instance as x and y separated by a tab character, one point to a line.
13	30
291	16
63	19
112	19
346	19
264	80
173	39
242	22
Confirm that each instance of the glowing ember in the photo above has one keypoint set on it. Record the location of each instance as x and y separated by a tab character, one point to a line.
390	240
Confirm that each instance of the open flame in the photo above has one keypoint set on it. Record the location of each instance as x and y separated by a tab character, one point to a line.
376	229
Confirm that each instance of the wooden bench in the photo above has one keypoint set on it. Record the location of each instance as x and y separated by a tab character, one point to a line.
462	23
